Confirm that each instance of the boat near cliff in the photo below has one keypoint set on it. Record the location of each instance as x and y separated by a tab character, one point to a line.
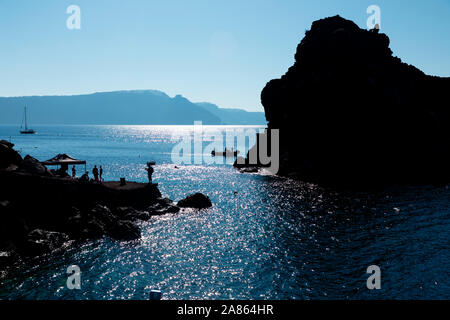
226	153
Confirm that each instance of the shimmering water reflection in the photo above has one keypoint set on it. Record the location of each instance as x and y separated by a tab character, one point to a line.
264	238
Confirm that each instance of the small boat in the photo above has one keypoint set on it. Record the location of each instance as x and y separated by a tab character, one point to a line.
26	130
227	153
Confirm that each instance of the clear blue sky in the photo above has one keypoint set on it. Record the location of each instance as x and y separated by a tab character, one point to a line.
207	50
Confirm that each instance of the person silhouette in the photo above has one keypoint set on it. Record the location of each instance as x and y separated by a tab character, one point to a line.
149	170
95	173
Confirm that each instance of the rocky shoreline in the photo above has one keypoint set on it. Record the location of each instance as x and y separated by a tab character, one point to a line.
41	212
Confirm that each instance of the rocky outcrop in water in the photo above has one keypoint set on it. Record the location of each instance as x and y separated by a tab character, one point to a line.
39	212
196	200
349	112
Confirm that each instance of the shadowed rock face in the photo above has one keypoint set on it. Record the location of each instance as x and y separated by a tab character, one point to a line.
350	112
8	155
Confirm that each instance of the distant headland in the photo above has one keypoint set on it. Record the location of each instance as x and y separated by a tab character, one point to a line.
138	107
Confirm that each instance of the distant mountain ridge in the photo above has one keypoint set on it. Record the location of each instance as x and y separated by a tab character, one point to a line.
121	107
234	116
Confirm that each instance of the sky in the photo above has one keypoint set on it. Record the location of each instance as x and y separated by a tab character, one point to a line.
223	52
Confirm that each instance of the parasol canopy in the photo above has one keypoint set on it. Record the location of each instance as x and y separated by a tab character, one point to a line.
61	159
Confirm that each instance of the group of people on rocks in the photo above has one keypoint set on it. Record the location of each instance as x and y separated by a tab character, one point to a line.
98	174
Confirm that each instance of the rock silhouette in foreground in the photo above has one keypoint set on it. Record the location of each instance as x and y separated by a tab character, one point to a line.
349	112
196	200
40	212
125	230
9	157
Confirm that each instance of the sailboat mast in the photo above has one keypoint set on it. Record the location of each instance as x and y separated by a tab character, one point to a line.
26	130
26	126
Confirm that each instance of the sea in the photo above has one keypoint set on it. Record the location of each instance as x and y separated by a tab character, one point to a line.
265	237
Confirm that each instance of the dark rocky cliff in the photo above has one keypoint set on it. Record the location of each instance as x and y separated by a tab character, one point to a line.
349	112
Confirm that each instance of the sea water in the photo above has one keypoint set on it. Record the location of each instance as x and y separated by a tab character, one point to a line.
265	237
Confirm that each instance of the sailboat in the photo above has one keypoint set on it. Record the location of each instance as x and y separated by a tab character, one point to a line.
26	130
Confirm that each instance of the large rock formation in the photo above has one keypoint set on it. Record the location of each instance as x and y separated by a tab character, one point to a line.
349	112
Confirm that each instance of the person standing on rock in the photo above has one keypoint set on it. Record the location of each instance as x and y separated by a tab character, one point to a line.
149	170
74	172
95	173
101	173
